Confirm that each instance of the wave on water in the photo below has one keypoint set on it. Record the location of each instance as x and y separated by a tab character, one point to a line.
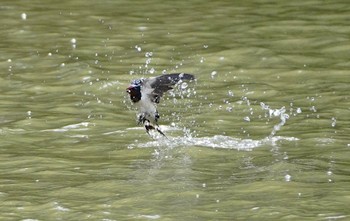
72	127
216	141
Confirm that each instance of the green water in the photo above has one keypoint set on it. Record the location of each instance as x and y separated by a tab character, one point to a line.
263	133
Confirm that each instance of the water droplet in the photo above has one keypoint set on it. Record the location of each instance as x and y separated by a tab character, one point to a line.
334	122
264	106
24	16
29	113
287	178
246	119
184	85
73	41
213	74
138	48
313	108
152	71
230	93
299	110
148	54
142	28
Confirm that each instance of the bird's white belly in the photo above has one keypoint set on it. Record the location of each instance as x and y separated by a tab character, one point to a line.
148	109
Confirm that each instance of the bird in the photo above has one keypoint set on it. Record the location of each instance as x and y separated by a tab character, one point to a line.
145	93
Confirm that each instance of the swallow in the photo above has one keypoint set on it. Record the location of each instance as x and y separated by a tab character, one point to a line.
146	94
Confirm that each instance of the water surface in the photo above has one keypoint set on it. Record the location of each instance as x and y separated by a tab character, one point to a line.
262	134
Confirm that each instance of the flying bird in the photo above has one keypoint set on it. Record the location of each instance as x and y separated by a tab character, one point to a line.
146	94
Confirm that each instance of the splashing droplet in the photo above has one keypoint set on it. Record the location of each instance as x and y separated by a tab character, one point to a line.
229	109
148	54
184	85
334	122
24	16
230	93
213	74
287	178
313	108
138	48
152	71
247	119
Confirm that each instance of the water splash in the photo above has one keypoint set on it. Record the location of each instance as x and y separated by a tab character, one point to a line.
216	141
281	113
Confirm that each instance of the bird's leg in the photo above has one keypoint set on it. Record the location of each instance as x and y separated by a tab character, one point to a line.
156	117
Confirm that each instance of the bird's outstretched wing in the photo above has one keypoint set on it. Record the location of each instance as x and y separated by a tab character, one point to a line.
166	82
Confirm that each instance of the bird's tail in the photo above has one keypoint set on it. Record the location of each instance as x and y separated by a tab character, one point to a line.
149	127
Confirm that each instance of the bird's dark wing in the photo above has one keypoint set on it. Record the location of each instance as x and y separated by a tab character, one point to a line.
165	82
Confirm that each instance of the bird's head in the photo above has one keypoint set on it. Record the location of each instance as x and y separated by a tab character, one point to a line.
134	90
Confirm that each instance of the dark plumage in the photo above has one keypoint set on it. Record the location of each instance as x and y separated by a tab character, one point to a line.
146	93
